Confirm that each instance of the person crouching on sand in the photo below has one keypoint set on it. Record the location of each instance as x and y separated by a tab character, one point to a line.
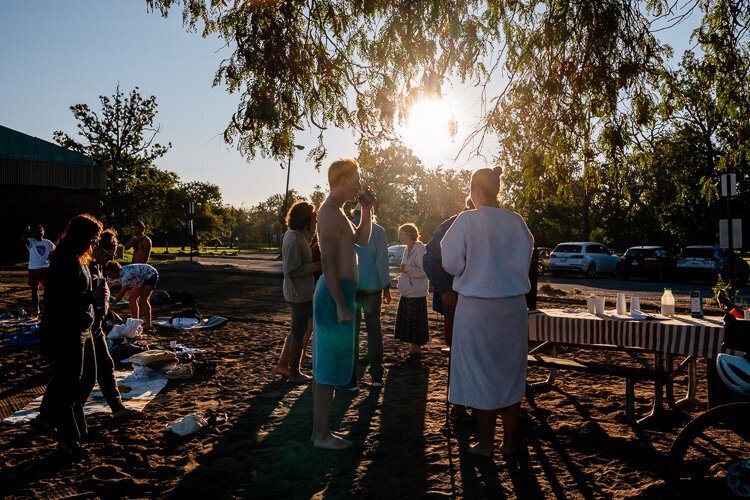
141	280
299	285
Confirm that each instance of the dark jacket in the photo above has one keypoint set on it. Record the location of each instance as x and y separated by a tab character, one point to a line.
433	265
68	298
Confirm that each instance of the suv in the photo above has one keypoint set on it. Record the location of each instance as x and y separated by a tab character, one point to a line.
657	263
587	257
707	262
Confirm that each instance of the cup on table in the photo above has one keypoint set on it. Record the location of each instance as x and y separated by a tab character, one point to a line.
747	313
635	304
590	304
599	305
621	304
173	344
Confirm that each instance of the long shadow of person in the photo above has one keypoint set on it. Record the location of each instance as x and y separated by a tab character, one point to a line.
396	464
226	468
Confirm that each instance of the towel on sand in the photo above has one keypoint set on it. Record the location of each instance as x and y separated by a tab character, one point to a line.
333	342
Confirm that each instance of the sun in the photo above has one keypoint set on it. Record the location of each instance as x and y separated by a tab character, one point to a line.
430	126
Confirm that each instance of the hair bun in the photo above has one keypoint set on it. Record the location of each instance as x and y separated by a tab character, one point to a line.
498	171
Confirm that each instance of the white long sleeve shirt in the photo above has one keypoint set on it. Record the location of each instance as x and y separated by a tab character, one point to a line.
488	251
413	282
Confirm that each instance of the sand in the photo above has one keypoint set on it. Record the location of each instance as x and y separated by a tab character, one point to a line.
577	440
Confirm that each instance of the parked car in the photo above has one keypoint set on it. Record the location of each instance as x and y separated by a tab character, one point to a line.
653	262
587	257
395	254
543	253
706	262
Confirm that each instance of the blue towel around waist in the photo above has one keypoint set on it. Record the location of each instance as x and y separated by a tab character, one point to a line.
333	342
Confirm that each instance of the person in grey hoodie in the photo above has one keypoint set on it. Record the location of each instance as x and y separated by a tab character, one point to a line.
299	285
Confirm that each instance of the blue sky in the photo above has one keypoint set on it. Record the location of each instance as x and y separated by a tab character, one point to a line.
59	53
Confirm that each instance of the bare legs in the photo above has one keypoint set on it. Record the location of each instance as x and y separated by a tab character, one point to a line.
146	292
486	420
322	437
282	367
140	299
35	297
291	356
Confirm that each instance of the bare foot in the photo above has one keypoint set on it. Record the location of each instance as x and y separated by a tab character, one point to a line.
480	451
300	378
331	442
284	372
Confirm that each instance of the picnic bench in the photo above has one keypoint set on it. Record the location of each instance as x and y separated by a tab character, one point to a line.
664	340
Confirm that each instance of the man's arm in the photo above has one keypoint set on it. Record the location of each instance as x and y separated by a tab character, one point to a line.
329	231
362	232
26	236
129	244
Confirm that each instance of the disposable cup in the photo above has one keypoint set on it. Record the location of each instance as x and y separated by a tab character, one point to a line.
591	304
747	313
621	304
172	344
599	305
635	304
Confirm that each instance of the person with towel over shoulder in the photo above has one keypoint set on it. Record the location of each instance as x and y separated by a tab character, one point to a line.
488	251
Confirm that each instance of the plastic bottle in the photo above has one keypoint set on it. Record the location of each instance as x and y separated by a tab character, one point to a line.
667	303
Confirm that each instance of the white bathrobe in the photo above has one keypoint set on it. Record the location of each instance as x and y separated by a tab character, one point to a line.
488	250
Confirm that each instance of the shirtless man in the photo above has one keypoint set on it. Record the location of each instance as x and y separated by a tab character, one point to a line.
334	302
140	243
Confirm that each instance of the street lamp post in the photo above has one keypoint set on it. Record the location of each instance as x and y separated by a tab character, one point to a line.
286	193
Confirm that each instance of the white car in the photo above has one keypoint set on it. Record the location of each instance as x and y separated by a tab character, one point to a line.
587	257
395	254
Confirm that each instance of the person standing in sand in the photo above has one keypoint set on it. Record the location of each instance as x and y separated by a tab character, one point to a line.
299	285
488	251
39	252
334	298
140	243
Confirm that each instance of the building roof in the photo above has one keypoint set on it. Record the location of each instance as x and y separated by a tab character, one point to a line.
16	145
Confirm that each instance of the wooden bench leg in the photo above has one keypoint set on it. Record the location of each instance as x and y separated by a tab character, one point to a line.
630	399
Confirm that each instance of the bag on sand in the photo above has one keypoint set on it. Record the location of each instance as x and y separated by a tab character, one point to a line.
130	330
189	424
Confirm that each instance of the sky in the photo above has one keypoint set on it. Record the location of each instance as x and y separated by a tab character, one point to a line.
60	53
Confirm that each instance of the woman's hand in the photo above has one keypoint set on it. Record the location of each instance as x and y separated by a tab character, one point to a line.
402	268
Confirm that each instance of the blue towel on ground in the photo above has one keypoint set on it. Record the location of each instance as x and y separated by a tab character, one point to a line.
333	342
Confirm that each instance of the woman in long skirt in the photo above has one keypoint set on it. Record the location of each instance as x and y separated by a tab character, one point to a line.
411	318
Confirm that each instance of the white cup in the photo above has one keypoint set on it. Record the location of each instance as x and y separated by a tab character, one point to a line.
621	304
747	313
172	344
599	305
591	304
635	304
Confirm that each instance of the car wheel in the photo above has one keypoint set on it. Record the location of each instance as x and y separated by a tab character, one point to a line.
540	269
591	271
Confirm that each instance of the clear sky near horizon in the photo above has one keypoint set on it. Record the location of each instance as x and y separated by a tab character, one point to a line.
57	54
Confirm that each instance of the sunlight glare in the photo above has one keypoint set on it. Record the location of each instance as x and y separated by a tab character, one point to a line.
431	126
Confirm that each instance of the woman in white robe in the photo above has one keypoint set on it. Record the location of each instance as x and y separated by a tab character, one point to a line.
488	251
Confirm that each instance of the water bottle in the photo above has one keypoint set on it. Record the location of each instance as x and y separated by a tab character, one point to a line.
667	303
696	304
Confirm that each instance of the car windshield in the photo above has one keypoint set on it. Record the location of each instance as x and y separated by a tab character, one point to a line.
635	253
567	249
697	253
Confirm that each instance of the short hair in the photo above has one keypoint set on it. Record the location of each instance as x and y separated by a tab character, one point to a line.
341	169
300	215
139	224
487	181
108	240
411	230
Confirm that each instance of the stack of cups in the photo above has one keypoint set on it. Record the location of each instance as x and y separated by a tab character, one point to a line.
621	305
635	304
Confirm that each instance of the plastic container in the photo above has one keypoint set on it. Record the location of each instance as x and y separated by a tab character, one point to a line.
667	303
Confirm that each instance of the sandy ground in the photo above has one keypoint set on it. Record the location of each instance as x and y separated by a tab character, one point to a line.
578	443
